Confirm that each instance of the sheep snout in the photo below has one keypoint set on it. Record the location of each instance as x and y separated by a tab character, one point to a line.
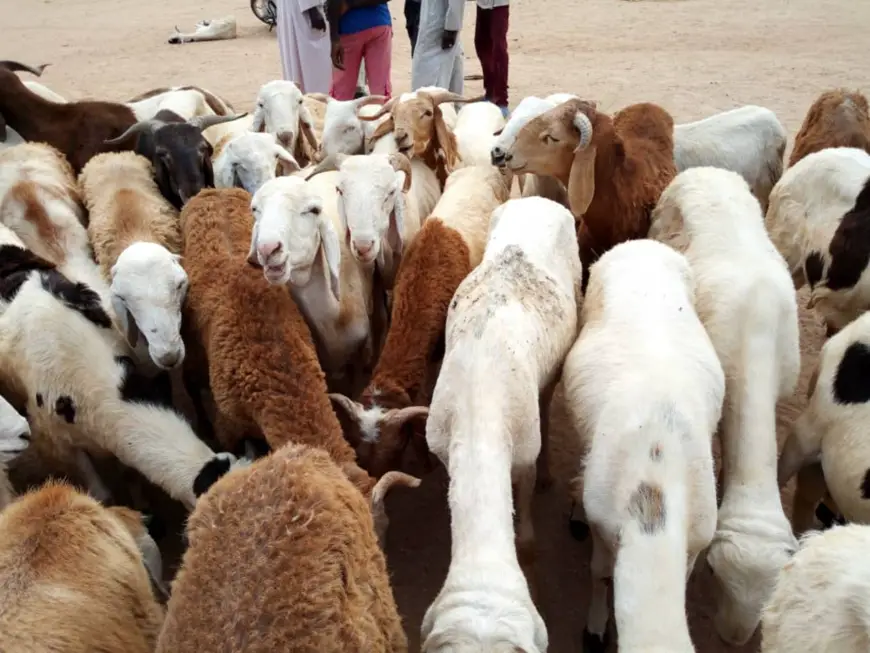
286	138
498	156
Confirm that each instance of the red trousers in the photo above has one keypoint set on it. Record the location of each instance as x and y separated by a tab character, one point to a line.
490	42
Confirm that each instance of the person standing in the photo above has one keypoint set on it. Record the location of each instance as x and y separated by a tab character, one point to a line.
412	21
438	55
304	44
360	29
490	42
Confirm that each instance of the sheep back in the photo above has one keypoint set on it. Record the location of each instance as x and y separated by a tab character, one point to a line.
321	585
838	118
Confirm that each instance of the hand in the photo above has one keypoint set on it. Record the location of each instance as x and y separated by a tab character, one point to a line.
448	39
338	55
316	19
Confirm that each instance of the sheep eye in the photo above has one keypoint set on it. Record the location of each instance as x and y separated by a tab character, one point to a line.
427	113
339	191
549	139
315	210
180	285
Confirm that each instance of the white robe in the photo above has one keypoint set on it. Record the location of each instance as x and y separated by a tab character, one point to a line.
432	66
305	52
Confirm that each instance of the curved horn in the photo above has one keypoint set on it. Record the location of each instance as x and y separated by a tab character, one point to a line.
16	66
379	493
367	100
447	96
138	128
400	162
584	126
388	106
204	122
319	97
329	164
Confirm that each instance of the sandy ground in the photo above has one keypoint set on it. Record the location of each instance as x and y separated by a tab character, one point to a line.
695	57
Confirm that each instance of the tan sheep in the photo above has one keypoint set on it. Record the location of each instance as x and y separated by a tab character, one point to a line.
283	557
838	118
73	578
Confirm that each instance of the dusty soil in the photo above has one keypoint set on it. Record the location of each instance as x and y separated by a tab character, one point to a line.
695	57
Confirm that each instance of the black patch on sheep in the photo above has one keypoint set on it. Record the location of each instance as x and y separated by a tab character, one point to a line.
852	381
77	296
252	448
593	643
850	246
137	387
827	518
65	407
39	400
865	486
813	268
209	475
16	264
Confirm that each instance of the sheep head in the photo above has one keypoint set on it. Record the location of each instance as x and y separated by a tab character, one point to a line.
290	232
529	108
343	131
179	153
148	288
379	434
281	111
8	79
251	159
14	432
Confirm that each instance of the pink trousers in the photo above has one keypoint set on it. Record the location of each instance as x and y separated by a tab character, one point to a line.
375	45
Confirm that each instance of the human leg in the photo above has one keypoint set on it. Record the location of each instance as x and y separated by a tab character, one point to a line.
412	21
344	81
497	89
378	52
483	47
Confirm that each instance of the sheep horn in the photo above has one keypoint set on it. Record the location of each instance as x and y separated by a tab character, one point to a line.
15	66
400	162
447	96
329	164
584	126
204	122
367	100
319	97
387	481
388	106
138	128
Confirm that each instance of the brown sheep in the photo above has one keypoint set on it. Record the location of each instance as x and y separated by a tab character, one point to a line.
283	557
72	577
615	168
261	361
418	125
838	118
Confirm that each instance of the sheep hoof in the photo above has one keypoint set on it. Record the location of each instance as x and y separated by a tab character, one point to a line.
593	643
579	529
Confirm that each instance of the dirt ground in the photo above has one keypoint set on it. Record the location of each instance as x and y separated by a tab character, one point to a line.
695	57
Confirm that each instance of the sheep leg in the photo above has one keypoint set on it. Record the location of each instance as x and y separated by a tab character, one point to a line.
181	399
545	478
800	449
601	575
809	489
524	494
95	485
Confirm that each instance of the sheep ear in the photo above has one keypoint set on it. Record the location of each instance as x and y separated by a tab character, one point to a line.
581	182
446	142
258	123
252	252
382	129
286	161
397	225
332	251
349	413
127	323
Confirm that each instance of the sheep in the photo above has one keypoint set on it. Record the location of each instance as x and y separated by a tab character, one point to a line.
78	129
65	364
816	219
449	246
421	129
343	131
74	576
324	584
137	242
282	110
614	168
746	301
178	151
14	438
476	126
830	429
218	29
249	341
838	118
295	240
185	101
749	140
644	389
249	160
509	328
43	91
382	199
820	602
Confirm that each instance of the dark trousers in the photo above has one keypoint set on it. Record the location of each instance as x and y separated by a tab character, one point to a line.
490	42
412	21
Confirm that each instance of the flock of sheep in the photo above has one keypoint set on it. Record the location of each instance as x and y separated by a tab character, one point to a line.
349	286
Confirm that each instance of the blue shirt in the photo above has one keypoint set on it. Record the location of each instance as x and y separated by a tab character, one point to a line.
357	20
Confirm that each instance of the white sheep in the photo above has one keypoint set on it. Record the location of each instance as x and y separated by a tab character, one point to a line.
831	428
250	159
821	598
476	127
43	91
60	355
344	132
185	101
644	389
281	110
747	303
509	327
296	241
816	216
217	29
749	140
14	439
